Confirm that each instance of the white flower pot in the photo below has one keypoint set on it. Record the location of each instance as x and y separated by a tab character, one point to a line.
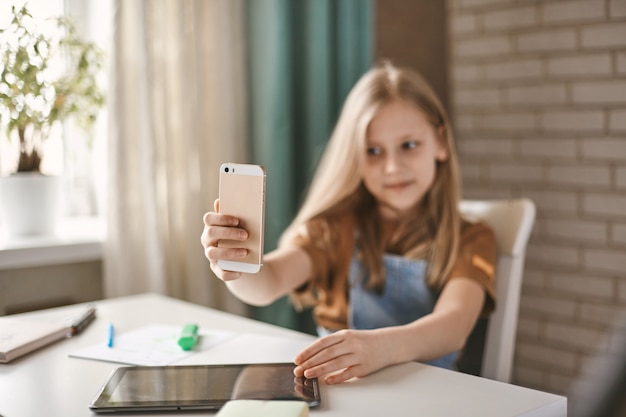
29	204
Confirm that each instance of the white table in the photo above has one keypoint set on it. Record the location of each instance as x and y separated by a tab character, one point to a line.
49	383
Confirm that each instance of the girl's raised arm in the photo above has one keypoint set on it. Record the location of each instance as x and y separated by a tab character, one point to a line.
283	269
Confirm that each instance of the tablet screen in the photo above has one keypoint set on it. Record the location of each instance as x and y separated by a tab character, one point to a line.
200	387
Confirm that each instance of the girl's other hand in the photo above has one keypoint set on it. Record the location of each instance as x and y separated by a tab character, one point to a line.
218	226
344	355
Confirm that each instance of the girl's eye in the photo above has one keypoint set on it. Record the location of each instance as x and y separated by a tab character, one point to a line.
374	151
410	144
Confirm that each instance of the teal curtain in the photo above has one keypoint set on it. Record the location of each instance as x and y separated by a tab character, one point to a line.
303	58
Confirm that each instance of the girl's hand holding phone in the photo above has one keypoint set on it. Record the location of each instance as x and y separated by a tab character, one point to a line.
218	226
233	234
242	195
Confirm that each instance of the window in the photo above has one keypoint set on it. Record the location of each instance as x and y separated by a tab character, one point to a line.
81	229
79	160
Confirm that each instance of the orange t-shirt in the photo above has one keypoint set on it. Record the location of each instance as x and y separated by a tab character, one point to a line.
330	244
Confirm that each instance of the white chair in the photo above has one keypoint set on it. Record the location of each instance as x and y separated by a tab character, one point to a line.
512	221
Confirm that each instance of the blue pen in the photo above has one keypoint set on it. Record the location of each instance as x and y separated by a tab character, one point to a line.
110	332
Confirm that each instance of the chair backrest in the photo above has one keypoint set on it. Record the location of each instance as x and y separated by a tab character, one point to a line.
512	221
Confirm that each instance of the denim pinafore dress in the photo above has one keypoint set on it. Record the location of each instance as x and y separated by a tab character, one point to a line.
406	298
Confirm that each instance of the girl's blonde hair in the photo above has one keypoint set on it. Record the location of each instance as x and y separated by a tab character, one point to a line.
337	185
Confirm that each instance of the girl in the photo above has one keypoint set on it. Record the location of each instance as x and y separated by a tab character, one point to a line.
378	247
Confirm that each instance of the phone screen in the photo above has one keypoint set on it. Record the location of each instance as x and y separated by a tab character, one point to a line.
242	194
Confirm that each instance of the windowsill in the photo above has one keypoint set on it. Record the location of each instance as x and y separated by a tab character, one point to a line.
76	240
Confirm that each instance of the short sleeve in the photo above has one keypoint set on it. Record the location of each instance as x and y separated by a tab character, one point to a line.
477	259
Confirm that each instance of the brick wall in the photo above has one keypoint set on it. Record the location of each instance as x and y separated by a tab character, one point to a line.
539	103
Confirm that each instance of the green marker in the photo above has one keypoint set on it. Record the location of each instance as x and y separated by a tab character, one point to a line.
188	337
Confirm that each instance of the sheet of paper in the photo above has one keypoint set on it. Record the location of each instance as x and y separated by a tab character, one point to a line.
252	348
151	345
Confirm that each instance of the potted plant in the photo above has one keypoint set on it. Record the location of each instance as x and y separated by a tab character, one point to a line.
35	98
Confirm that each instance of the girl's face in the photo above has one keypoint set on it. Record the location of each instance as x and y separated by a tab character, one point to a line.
402	149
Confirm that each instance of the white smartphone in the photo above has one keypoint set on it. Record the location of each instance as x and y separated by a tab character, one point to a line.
242	194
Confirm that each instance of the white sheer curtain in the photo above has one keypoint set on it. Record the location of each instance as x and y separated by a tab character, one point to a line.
177	111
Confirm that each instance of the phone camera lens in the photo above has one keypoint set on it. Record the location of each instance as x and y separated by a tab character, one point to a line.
226	169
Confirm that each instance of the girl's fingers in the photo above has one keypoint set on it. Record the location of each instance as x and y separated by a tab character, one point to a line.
213	218
214	253
222	274
344	375
220	227
326	355
337	363
337	358
315	348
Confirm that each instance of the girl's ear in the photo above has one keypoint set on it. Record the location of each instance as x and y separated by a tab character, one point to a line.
442	145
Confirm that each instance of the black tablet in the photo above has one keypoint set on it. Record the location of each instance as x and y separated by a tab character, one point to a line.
200	387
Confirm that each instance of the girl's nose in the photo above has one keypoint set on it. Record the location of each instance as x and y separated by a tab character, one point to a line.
392	162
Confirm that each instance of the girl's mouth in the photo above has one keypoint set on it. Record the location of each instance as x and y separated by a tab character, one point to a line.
397	185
